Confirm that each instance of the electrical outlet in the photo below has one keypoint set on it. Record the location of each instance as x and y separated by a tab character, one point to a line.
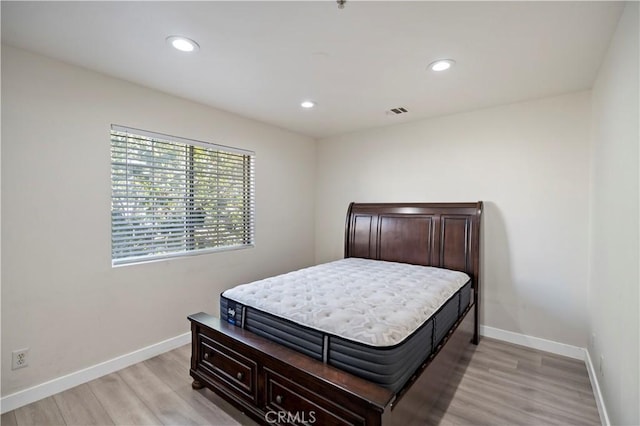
19	358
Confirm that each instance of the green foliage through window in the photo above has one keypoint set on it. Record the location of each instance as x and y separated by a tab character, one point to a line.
173	196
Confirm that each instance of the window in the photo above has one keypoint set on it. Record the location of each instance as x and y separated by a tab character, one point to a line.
173	196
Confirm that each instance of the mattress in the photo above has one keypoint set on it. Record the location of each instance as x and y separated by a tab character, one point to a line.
375	319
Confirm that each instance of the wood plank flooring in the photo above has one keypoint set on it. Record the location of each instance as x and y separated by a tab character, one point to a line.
502	384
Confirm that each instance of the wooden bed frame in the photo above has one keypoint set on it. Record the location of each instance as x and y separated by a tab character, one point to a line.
276	385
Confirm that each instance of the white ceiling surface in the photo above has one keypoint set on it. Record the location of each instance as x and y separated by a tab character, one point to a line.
261	59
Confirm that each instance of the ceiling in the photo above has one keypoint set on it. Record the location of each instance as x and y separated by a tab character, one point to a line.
261	59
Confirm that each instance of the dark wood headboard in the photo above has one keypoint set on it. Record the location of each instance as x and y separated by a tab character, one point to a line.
445	235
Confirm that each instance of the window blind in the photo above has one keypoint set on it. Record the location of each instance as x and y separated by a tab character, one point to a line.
173	196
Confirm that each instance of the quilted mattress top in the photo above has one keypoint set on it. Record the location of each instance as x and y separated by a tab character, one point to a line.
373	302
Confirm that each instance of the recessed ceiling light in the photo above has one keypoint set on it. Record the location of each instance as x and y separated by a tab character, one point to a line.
308	104
441	64
183	44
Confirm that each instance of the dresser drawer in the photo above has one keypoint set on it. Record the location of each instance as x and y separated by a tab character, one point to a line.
289	403
228	367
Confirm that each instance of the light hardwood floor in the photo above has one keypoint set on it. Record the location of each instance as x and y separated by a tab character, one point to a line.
502	384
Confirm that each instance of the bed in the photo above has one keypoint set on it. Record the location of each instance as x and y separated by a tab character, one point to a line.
279	369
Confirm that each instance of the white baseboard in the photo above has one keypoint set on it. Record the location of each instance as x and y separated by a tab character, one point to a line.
602	409
52	387
557	348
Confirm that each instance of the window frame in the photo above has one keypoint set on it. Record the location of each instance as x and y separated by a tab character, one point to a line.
191	212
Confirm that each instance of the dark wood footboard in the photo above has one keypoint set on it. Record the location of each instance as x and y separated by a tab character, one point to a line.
266	380
276	385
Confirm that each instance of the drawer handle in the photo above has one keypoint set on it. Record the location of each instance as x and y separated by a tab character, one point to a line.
279	399
240	376
206	355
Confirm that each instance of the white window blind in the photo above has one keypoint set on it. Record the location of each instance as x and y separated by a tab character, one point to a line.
173	196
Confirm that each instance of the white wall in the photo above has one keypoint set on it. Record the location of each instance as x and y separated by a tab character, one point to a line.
614	279
60	295
529	163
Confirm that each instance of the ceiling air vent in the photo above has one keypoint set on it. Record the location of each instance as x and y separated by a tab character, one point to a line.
396	111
